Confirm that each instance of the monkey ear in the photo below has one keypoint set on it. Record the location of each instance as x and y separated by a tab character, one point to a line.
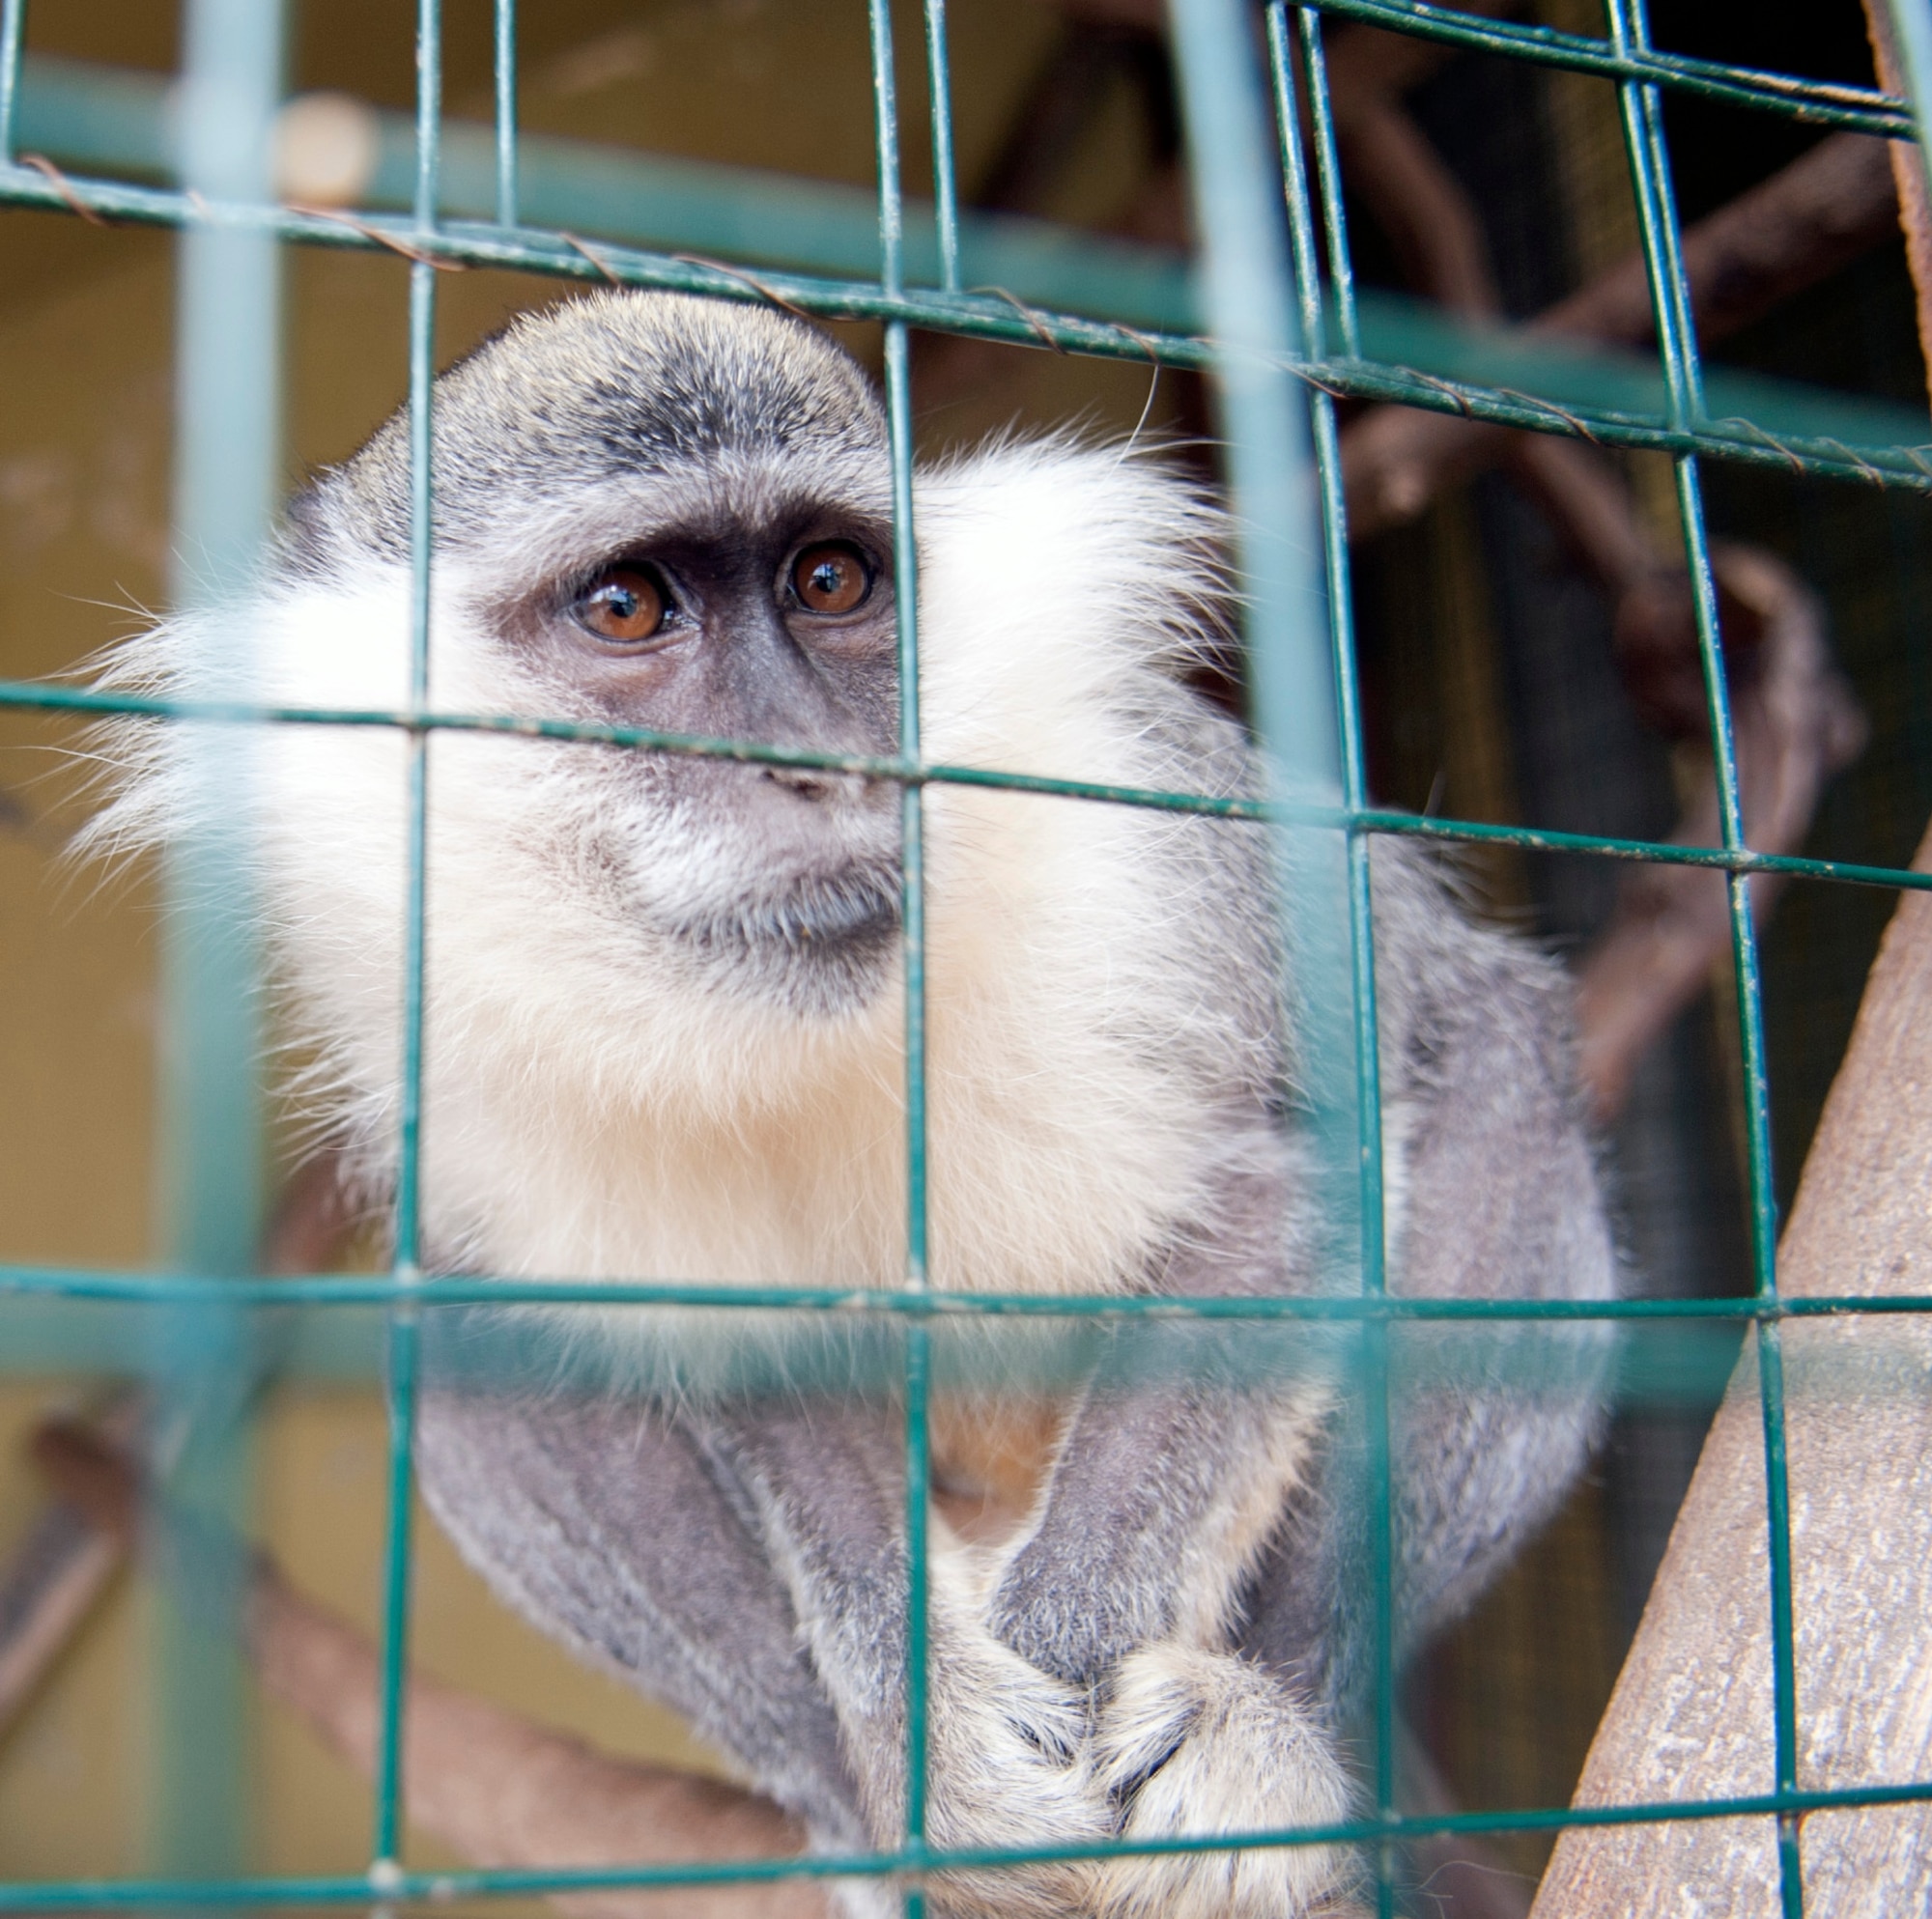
307	535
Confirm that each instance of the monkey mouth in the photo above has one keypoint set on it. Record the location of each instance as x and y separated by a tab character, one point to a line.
818	940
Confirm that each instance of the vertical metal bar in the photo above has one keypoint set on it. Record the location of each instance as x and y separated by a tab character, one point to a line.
1328	173
913	945
1650	169
905	568
12	30
945	176
1294	181
886	140
227	459
428	164
1247	298
1293	660
407	1259
506	113
1375	1337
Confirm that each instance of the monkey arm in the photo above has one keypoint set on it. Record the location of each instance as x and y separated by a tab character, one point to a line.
1190	1741
1198	1560
1162	1503
1186	1446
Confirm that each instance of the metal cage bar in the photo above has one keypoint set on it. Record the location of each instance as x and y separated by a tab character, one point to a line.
1677	346
405	1319
505	51
912	881
1282	43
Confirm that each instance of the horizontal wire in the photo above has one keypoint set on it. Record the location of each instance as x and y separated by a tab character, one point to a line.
1818	102
976	316
116	1285
441	1887
30	696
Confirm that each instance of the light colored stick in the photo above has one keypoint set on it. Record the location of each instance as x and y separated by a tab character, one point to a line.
1796	724
55	1576
1692	1714
1908	171
49	1589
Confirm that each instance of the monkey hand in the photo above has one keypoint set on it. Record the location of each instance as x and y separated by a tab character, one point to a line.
1008	1764
1172	1741
1177	1743
1160	1502
1194	1744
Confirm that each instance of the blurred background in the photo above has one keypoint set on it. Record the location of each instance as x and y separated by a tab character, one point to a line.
1495	689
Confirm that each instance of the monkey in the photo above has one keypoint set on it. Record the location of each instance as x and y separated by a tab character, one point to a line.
663	1038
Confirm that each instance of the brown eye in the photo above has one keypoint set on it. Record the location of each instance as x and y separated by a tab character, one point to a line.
624	605
831	579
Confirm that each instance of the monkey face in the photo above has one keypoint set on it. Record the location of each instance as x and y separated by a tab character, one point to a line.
742	612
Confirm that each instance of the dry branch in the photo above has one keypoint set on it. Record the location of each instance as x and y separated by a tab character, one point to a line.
1796	720
1692	1714
56	1576
502	1792
62	1569
1795	723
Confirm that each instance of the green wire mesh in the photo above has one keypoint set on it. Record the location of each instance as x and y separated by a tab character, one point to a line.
1276	329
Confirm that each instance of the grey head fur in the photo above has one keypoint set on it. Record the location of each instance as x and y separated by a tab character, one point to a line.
607	387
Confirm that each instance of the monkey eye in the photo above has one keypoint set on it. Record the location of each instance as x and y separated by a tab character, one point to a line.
624	605
832	577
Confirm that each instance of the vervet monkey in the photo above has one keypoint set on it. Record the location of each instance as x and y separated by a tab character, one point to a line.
663	1039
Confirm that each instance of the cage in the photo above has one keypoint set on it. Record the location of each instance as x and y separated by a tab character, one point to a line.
1194	228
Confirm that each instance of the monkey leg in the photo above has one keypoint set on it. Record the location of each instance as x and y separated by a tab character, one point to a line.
1163	1502
1004	1745
1489	1424
625	1532
607	1525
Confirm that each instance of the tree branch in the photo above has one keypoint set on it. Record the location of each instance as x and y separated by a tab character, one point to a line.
1795	229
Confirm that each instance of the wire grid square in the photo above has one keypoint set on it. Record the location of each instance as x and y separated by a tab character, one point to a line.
1323	355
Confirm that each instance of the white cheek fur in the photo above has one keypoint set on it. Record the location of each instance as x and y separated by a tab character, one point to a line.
592	1110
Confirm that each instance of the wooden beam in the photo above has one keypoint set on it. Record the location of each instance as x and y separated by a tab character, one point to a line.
1692	1714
